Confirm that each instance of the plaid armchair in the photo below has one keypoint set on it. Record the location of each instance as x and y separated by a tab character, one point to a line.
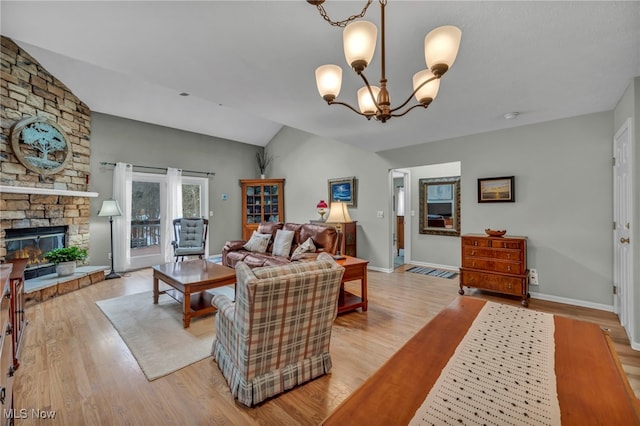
276	335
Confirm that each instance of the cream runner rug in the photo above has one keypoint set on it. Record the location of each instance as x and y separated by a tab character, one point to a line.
154	333
502	373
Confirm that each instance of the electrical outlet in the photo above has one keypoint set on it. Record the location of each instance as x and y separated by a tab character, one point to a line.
533	277
109	256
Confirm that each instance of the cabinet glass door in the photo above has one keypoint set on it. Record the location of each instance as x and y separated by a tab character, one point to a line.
254	204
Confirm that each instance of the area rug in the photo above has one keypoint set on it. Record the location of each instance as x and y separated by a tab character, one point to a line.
432	271
154	333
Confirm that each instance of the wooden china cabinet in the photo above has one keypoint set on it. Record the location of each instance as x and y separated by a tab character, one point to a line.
262	201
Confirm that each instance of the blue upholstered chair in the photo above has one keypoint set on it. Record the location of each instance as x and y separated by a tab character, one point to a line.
190	236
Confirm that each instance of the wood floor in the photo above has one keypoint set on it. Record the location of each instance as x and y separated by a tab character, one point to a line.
74	362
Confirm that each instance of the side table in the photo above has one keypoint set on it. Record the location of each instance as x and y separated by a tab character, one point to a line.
354	269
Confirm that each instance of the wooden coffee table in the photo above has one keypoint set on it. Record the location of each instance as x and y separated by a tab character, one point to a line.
189	280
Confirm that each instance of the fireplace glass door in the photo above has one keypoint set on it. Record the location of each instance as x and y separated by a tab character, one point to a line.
33	244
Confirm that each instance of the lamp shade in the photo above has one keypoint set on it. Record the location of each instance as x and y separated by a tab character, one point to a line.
359	39
338	213
429	91
365	102
441	46
110	208
322	204
329	81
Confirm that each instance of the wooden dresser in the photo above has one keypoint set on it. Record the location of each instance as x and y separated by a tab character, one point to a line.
496	264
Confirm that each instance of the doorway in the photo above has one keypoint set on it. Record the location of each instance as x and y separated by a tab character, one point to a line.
400	242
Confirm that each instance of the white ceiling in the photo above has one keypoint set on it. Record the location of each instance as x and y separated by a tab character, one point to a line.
249	65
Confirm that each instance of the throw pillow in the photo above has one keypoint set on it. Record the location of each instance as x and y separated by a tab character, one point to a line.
258	242
282	243
306	247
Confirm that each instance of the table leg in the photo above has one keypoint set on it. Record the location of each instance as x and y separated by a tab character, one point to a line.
186	308
155	290
363	289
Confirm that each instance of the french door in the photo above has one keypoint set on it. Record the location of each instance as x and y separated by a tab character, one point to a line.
150	243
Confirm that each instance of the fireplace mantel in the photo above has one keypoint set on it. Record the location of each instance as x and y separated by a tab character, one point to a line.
45	191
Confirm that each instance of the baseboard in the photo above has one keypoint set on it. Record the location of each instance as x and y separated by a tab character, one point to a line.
575	302
378	269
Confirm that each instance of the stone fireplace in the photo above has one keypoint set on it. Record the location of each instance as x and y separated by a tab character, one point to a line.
29	199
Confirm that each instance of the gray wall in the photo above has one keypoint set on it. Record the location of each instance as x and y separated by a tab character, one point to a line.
115	139
437	250
563	202
308	161
563	197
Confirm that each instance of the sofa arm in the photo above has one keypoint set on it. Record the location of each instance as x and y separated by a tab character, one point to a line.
233	245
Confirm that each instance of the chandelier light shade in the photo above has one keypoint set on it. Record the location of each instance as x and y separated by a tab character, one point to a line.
366	103
329	81
359	39
427	92
441	48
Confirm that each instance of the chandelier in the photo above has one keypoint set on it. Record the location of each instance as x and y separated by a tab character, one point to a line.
359	40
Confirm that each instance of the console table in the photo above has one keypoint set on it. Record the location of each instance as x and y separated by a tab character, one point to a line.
592	387
348	231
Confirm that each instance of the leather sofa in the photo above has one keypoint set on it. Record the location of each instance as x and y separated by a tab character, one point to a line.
325	239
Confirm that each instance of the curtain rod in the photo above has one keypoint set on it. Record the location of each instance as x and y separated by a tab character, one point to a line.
104	163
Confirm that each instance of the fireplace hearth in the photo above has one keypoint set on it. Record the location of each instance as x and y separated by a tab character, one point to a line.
32	244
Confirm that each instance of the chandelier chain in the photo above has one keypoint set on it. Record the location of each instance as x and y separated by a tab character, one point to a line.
344	22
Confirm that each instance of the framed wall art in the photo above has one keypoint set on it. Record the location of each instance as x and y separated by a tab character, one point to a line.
40	145
496	190
345	190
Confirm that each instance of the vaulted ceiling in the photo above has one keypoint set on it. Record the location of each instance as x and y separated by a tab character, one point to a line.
249	65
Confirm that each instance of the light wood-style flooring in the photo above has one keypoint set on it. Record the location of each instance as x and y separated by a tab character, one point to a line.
74	362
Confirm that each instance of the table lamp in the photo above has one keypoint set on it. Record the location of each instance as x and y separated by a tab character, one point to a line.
111	208
338	215
322	208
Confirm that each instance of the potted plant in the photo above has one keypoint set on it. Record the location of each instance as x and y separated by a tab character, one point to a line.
264	160
65	259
